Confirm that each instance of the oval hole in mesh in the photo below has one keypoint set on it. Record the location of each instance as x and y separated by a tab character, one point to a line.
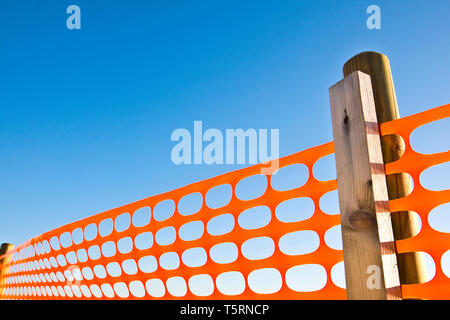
137	289
105	227
60	277
333	237
76	291
32	251
129	266
95	289
194	257
60	290
251	187
306	277
107	290
445	263
113	269
65	239
122	222
155	288
338	274
109	249
141	217
294	210
258	248
423	139
41	248
66	289
299	242
219	196
325	168
437	177
82	255
176	286
231	283
144	240
223	253
166	236
201	285
255	218
61	260
87	273
329	202
77	236
430	267
94	252
265	281
290	177
77	274
85	290
439	218
54	242
125	245
148	264
90	232
100	271
221	224
71	257
191	231
52	276
164	210
68	275
121	289
190	204
169	261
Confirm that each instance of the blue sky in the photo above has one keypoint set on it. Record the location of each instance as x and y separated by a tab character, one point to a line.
86	115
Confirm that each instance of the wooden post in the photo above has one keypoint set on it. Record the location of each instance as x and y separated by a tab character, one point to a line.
367	235
412	266
5	248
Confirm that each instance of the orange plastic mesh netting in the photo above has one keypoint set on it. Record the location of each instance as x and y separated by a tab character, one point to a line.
39	270
422	201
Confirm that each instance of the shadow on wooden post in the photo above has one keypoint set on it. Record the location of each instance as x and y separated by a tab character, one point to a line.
5	248
368	239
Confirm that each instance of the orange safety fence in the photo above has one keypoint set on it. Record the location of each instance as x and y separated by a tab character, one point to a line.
39	269
422	201
44	268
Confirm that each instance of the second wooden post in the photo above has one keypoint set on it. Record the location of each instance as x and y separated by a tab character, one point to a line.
405	224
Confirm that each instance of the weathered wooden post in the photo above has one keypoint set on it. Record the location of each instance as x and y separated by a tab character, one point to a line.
405	224
368	240
5	248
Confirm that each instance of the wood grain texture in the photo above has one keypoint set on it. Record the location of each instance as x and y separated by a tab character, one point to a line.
362	190
405	224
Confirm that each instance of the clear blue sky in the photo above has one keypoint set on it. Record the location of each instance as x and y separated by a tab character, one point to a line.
86	115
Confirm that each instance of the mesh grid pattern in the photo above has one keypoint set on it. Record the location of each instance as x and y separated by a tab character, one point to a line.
422	201
44	269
